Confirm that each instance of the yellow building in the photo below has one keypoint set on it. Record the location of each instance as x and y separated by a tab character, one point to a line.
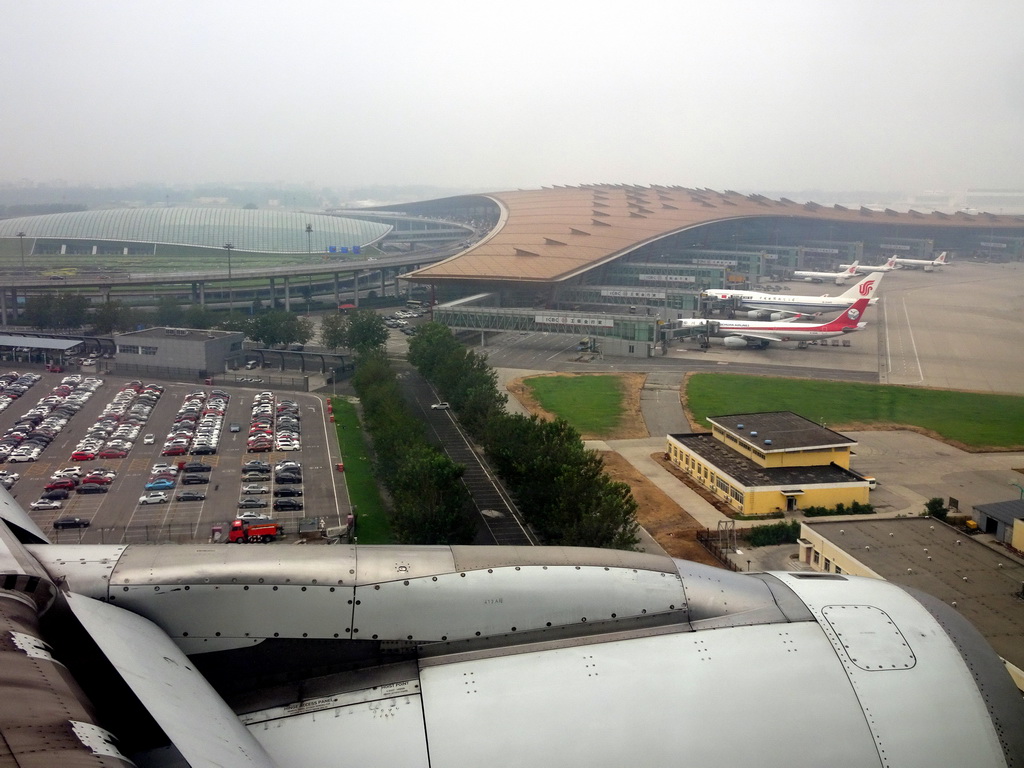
762	463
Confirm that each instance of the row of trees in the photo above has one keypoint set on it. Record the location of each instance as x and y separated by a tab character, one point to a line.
430	503
560	486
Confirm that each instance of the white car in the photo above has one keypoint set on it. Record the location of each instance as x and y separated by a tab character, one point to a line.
45	504
440	406
255	489
153	497
250	515
67	472
158	468
149	439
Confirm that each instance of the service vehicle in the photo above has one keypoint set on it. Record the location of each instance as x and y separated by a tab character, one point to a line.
246	532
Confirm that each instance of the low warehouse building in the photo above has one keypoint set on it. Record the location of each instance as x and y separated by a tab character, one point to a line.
762	463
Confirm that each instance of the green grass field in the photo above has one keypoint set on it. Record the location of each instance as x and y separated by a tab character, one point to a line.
591	404
972	419
371	517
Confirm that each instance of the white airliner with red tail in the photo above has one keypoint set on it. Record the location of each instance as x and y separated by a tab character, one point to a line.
839	278
863	269
927	265
777	306
743	333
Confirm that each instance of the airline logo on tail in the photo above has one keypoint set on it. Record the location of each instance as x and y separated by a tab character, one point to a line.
865	287
848	320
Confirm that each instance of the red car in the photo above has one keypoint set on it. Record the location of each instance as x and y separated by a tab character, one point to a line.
174	450
64	482
112	453
98	479
83	456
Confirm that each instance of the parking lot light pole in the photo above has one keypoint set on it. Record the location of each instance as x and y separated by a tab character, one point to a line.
21	243
231	292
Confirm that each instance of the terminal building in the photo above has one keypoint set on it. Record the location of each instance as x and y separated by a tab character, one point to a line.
764	463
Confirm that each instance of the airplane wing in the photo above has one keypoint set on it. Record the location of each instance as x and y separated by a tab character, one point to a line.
759	335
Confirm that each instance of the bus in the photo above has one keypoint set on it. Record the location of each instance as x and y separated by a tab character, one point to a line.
415	304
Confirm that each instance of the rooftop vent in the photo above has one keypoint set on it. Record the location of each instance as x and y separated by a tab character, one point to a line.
739	426
767	442
753	434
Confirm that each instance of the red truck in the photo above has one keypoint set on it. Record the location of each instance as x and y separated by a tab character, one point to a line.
245	532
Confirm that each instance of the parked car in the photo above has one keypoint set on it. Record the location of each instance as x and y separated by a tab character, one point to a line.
156	497
194	478
253	488
288	491
57	494
190	496
70	522
45	504
160	483
251	515
92	488
282	505
251	503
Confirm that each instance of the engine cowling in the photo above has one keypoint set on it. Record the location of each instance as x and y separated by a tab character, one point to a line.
734	341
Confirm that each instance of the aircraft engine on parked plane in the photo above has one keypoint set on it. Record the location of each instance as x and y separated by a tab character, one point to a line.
734	341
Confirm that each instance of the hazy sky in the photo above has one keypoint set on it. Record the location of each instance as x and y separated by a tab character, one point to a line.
727	94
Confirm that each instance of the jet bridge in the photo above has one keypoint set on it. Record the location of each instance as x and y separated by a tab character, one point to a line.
621	333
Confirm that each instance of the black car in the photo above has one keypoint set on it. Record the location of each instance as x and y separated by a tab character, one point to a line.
57	494
190	496
196	466
194	478
70	522
289	491
203	450
287	477
91	488
283	505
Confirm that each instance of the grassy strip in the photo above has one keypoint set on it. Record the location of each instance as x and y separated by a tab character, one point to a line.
971	419
371	517
591	404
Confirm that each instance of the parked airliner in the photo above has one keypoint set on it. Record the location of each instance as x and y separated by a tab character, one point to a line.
839	278
927	265
863	269
742	333
778	306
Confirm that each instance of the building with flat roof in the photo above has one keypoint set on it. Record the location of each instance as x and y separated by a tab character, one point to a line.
763	463
172	352
986	585
1004	520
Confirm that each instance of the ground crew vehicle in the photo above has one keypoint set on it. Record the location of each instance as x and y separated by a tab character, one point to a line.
245	532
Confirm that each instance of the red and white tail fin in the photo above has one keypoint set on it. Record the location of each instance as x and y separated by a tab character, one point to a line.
865	288
941	259
852	269
891	263
850	319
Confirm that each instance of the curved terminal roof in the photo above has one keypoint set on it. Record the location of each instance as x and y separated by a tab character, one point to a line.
250	231
551	235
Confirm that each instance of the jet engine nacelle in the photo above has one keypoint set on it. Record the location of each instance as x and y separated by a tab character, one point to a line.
767	314
734	341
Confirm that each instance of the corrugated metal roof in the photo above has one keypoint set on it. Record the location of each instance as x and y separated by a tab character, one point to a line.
556	233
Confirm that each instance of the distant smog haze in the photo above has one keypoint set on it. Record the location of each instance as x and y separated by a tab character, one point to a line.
731	95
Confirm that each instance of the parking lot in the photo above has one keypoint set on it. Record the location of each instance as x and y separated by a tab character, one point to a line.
119	514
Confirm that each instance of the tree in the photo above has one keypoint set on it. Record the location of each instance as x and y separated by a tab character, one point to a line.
198	316
278	327
366	331
333	331
936	507
114	316
430	500
59	311
168	312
